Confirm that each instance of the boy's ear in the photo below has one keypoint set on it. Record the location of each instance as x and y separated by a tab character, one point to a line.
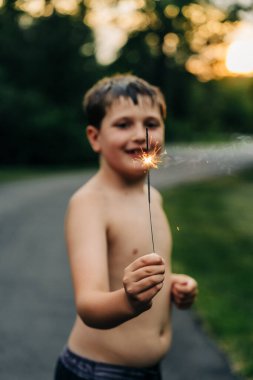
92	134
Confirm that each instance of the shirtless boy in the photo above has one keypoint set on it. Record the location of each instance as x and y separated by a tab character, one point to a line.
123	290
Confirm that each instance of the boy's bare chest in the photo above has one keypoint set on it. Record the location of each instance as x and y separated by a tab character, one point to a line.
129	233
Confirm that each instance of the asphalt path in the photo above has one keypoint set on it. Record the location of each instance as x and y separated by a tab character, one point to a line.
37	309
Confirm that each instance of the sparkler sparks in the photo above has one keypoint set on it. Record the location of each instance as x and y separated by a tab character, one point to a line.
149	161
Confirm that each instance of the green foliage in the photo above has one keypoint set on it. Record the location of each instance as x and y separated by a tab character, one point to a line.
20	173
43	77
212	228
45	71
196	110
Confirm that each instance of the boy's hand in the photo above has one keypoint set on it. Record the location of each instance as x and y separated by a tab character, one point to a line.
142	280
183	290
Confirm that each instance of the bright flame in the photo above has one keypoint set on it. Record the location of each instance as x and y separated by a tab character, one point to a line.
239	58
150	160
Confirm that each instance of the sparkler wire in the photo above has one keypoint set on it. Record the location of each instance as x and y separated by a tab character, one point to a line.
149	198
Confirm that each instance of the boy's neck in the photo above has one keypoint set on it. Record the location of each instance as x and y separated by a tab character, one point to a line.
121	182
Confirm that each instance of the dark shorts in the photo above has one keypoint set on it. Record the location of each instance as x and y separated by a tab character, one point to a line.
74	367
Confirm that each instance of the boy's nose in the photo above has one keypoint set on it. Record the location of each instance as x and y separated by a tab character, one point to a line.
139	134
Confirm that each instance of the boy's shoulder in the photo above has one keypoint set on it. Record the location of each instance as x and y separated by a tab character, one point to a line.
88	195
156	195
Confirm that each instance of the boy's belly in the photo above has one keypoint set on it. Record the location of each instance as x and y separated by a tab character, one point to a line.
140	342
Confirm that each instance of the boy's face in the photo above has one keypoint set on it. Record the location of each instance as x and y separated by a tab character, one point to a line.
122	135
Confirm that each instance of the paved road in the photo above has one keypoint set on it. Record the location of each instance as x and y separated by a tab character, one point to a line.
37	308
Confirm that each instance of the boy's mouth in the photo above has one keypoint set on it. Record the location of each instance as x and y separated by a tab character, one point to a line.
136	151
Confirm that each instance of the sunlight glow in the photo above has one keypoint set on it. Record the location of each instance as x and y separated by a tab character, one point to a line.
206	38
42	8
35	8
239	59
69	7
219	47
170	43
171	11
112	22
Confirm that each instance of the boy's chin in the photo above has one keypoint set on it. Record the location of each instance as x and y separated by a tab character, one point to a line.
136	174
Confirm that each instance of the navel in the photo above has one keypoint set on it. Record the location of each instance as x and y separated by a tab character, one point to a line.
161	332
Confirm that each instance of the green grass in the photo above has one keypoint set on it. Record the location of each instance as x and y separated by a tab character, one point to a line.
212	227
17	174
10	174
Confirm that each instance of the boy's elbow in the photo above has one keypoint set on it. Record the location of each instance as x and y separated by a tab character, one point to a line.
92	317
95	322
89	321
85	312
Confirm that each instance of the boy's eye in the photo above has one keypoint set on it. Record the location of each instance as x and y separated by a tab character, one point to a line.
122	124
152	124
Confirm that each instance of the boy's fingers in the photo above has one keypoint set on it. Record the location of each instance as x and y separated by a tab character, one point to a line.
184	292
184	295
149	294
141	286
150	259
149	270
184	299
184	302
186	287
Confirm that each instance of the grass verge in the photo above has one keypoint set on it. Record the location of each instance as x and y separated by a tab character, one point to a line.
212	226
10	174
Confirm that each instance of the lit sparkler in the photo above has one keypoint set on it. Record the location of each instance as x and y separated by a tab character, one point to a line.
150	160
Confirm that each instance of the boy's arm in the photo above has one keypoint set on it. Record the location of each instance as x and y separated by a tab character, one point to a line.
96	305
184	290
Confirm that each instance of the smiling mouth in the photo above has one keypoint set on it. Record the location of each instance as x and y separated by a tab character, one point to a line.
137	151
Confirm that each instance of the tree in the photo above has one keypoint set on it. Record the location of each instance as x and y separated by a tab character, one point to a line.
43	76
182	50
48	61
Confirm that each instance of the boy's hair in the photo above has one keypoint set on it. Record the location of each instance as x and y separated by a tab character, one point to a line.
105	91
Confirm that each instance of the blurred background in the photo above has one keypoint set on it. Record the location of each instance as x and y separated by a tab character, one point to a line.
201	55
52	51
